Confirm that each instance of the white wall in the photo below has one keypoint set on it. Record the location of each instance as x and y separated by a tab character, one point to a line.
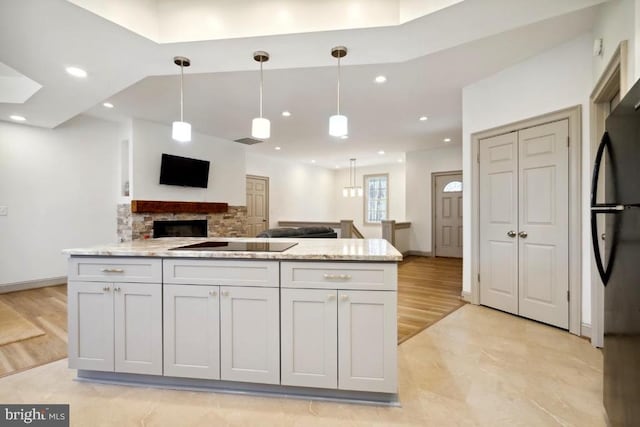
61	188
420	166
353	208
615	22
298	192
556	79
226	174
637	39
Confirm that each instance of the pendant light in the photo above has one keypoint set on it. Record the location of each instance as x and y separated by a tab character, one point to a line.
261	127
181	131
352	190
338	125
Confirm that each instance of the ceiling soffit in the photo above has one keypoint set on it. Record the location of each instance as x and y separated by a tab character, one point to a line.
173	21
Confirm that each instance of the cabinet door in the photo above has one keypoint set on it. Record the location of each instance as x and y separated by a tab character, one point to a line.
250	334
138	328
367	341
90	311
191	331
309	338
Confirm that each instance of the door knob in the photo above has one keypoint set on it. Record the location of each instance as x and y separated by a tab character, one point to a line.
523	234
603	236
511	233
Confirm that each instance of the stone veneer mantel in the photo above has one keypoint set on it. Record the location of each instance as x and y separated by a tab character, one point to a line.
307	249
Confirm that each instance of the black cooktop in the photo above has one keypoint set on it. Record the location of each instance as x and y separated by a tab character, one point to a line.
237	246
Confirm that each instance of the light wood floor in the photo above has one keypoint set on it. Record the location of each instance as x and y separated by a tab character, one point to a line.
428	290
47	309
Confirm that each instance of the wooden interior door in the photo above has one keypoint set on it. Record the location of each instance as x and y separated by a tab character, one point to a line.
448	215
543	235
499	222
257	204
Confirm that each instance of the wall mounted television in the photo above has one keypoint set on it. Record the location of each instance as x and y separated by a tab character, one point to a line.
183	171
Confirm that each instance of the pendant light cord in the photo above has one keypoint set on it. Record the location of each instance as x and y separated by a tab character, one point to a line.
338	85
181	92
260	87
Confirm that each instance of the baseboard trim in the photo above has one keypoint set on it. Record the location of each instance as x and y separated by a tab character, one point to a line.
32	284
466	296
585	330
416	253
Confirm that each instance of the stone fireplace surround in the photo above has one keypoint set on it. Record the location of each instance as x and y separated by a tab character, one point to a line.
136	225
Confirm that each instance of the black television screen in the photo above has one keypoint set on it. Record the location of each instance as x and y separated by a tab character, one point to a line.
183	171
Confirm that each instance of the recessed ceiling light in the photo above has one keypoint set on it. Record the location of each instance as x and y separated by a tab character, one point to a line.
447	140
286	114
17	118
107	105
337	167
77	72
344	137
381	152
277	148
399	160
380	79
424	118
313	161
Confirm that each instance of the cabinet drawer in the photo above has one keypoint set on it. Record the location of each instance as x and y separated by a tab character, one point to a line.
114	269
224	273
339	275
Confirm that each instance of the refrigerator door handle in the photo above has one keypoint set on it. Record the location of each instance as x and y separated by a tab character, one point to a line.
602	208
604	143
604	273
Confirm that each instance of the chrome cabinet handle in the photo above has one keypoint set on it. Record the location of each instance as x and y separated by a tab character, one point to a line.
112	270
511	233
117	289
344	297
337	276
106	289
331	297
523	234
225	293
213	293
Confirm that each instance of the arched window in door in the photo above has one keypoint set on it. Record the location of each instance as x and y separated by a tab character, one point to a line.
453	187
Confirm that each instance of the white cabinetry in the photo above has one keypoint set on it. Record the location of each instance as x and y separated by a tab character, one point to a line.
240	324
249	335
309	338
192	331
334	336
367	341
90	309
115	325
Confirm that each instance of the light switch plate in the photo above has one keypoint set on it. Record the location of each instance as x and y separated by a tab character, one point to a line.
4	210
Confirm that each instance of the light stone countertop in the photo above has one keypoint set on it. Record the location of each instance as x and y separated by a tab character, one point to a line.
306	249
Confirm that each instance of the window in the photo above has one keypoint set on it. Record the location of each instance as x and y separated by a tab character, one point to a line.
453	187
376	198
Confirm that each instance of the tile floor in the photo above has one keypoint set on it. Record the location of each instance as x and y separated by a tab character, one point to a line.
476	367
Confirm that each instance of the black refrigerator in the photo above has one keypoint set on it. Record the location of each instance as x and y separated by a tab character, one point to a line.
618	160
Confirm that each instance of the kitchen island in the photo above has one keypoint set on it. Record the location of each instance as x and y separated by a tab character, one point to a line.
297	317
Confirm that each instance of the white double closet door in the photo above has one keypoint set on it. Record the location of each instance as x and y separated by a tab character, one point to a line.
524	223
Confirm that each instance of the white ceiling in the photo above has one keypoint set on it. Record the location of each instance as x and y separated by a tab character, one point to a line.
427	62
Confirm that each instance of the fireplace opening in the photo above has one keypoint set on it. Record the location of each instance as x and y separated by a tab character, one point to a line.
182	228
